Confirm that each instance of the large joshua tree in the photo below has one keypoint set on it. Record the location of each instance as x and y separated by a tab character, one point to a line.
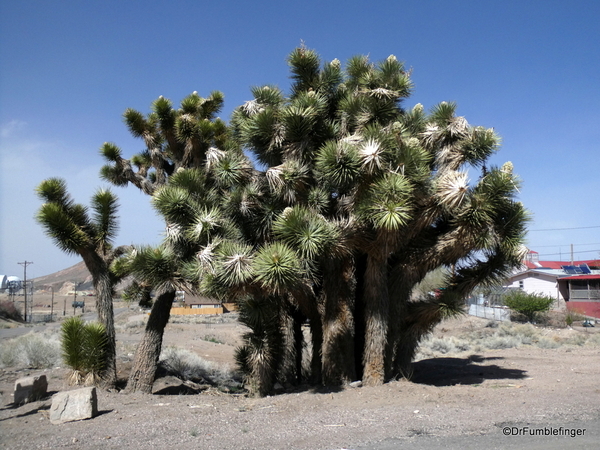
389	190
75	231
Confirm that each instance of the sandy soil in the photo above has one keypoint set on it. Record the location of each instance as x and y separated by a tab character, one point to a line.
470	393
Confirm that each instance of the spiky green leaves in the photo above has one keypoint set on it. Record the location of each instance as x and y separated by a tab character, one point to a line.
205	108
234	266
84	349
204	223
68	223
309	234
154	266
105	206
137	124
338	163
110	151
387	203
277	268
480	145
288	180
304	65
229	168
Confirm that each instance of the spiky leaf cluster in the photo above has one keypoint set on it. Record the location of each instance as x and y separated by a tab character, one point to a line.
84	348
174	139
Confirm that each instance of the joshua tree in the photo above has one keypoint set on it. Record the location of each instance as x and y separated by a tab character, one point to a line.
155	267
176	139
358	200
75	231
370	198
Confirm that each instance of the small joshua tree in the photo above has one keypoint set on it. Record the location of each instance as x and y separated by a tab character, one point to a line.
84	348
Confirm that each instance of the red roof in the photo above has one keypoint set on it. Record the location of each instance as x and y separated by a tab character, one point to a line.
582	277
558	264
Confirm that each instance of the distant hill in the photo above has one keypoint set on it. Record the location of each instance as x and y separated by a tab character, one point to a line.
66	279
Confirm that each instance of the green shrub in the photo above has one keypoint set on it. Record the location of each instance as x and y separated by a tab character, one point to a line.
528	304
84	349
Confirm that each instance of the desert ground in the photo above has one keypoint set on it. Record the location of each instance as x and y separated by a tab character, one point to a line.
472	378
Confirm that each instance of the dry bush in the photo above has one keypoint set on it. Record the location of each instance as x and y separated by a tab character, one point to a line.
33	350
497	342
502	336
548	343
187	365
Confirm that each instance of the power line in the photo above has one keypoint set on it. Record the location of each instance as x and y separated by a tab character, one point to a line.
561	245
560	254
561	229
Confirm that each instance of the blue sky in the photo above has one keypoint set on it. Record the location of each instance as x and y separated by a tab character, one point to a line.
68	70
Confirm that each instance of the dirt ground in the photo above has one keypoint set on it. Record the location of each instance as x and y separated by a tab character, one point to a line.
467	393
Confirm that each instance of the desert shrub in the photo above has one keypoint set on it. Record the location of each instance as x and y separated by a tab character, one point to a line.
84	349
497	342
188	365
461	345
526	333
593	340
548	343
578	339
572	316
32	350
444	345
8	310
141	323
530	305
441	345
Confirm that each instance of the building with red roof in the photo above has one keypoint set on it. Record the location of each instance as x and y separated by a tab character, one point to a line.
574	284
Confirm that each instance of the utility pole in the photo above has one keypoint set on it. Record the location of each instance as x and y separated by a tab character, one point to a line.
52	305
571	254
74	299
25	264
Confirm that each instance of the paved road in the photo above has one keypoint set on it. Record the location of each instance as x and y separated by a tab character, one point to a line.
590	439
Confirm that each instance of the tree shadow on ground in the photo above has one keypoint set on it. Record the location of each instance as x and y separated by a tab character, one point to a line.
31	412
453	371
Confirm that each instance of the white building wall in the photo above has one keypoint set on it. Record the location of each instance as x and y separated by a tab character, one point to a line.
533	283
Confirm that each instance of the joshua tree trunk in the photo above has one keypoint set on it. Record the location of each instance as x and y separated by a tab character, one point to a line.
313	310
148	351
104	306
298	344
338	323
290	370
376	312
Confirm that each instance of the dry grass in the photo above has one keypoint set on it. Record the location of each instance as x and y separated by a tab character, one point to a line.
502	336
187	365
33	350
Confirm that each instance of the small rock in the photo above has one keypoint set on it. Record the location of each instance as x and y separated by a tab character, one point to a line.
355	384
